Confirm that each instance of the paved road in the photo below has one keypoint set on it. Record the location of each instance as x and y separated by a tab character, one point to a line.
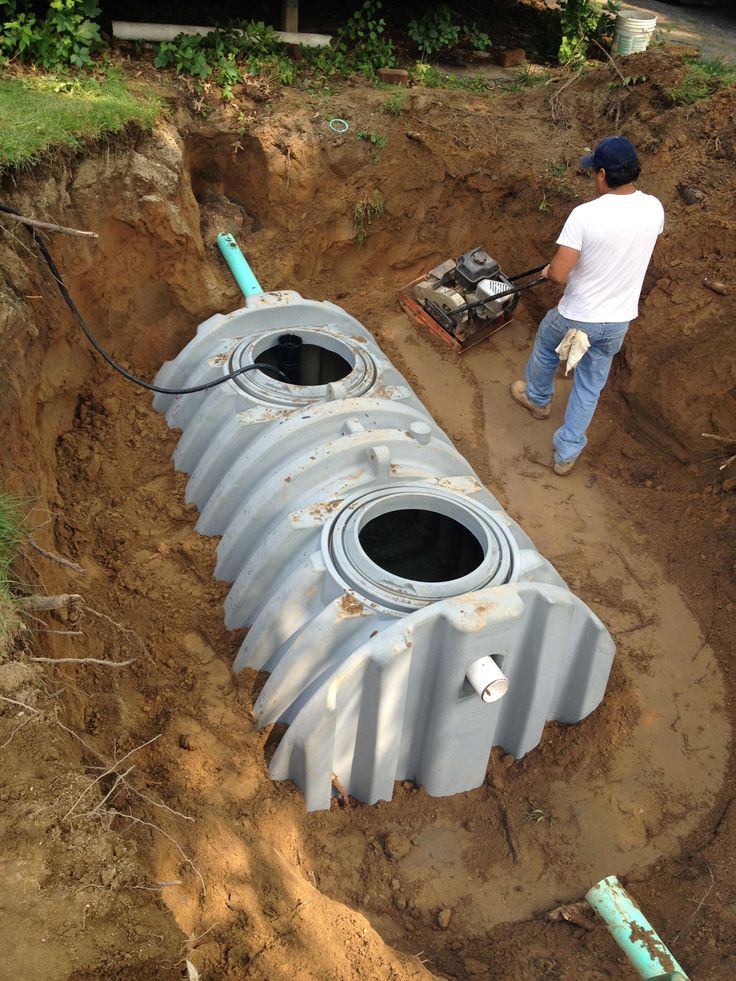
709	25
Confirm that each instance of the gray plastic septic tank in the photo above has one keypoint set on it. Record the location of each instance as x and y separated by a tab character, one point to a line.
407	624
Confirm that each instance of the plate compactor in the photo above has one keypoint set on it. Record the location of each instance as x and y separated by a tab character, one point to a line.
464	301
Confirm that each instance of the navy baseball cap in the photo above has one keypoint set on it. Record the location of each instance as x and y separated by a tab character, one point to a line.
613	153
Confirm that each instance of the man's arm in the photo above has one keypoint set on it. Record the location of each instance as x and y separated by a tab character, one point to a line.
562	265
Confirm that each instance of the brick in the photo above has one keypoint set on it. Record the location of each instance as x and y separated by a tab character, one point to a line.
394	76
511	58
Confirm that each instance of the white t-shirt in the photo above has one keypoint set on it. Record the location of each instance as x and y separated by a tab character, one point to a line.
615	235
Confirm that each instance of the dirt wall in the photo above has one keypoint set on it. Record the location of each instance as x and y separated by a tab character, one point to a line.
231	872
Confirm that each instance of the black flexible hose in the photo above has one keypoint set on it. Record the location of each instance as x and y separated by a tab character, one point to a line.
101	351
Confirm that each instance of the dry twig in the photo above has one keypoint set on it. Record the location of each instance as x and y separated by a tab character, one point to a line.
650	621
700	904
165	807
12	735
74	603
554	99
155	827
193	940
120	779
110	770
614	66
44	603
50	226
79	660
125	630
67	563
723	439
626	564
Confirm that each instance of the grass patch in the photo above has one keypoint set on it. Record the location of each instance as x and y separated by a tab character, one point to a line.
41	113
702	79
395	103
433	78
377	141
11	535
525	80
364	212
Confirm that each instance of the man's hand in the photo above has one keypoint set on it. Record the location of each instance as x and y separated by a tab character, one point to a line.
562	265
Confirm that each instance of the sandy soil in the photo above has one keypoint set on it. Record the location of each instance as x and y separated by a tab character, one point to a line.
194	853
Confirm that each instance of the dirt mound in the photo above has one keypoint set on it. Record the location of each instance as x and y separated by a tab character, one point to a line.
258	888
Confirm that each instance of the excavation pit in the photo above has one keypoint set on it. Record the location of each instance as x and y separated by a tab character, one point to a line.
625	789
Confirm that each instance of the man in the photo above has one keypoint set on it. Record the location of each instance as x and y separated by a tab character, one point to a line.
604	250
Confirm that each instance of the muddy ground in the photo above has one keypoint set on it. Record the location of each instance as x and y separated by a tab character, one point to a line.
139	828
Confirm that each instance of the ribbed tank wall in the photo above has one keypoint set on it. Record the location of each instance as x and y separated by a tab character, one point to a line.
371	567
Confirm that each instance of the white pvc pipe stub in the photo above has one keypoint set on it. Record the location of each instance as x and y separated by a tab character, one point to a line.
487	679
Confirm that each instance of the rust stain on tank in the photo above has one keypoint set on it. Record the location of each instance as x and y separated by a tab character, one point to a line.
350	606
324	508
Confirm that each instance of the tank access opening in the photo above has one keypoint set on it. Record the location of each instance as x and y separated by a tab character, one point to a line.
421	545
305	364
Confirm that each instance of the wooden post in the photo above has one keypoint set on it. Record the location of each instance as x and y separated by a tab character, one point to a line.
290	15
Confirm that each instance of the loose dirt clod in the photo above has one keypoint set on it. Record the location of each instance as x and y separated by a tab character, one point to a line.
397	846
443	918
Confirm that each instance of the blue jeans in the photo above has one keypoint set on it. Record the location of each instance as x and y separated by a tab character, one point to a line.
589	376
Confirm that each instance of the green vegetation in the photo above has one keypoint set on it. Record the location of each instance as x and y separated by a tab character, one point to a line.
11	535
361	47
435	31
395	103
432	78
38	113
526	79
555	169
227	54
362	42
702	79
556	182
581	22
364	212
628	81
242	48
377	140
67	35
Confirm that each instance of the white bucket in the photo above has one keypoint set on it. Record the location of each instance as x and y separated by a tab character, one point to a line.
632	32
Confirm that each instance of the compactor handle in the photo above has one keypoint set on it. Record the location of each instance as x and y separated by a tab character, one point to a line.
500	296
529	272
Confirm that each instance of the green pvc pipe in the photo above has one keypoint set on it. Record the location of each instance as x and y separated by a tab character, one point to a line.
632	931
238	264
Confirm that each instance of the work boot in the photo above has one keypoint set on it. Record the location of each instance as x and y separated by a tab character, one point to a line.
518	394
563	469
